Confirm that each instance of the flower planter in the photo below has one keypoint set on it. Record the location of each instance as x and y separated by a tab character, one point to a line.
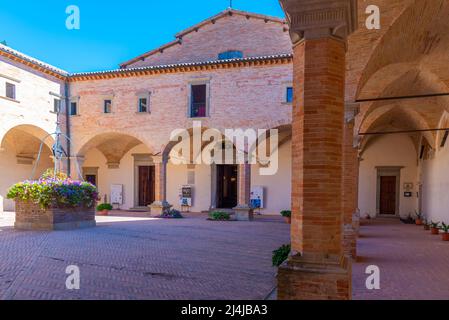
103	213
426	227
445	236
30	216
435	231
418	222
288	220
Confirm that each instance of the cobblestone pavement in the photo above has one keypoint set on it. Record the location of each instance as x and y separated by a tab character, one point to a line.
130	256
413	263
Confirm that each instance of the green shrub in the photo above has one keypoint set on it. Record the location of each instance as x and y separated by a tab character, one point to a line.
286	213
173	214
104	206
219	216
55	192
444	227
281	254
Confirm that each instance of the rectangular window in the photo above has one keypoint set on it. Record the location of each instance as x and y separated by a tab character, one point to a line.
10	91
143	105
73	108
56	105
289	95
198	103
107	106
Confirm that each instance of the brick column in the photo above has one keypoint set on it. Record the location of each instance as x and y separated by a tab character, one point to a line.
160	204
317	267
350	182
243	211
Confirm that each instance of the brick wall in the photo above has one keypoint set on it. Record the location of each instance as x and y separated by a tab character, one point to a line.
30	216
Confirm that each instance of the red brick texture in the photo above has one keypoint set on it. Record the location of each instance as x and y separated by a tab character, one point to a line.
349	188
30	216
317	268
317	145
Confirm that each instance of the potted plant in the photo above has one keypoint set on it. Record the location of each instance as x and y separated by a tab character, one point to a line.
445	228
104	208
419	218
426	225
287	214
435	228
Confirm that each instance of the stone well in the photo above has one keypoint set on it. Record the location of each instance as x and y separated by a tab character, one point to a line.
30	216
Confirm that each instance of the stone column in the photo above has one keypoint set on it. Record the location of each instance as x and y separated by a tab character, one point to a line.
243	211
160	204
349	182
317	267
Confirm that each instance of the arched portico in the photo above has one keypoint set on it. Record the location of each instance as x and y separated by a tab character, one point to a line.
19	151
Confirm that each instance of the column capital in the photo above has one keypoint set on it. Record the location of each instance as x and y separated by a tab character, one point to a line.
315	19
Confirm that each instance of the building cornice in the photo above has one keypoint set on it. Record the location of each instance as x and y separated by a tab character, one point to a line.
183	67
33	63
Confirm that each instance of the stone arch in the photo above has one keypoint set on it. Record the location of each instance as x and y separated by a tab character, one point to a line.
30	130
113	145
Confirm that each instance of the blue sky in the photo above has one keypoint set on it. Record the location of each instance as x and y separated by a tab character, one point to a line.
111	31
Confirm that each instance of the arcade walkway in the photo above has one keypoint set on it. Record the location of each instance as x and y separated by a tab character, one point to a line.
413	263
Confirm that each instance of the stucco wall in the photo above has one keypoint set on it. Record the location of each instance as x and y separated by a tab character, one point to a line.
277	188
435	184
11	172
388	151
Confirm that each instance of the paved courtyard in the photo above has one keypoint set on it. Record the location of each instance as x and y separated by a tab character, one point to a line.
413	263
133	257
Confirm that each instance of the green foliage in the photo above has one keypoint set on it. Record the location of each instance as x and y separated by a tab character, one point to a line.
55	192
104	206
435	225
444	227
50	174
281	254
286	213
219	216
173	214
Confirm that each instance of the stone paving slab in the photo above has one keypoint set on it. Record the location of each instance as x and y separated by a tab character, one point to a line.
132	256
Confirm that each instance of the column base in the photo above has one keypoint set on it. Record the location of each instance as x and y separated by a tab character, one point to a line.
350	241
326	279
243	213
158	208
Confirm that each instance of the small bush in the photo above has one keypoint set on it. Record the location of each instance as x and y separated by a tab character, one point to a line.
173	214
281	254
286	213
104	206
219	216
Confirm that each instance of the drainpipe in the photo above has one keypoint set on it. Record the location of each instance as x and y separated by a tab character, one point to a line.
67	124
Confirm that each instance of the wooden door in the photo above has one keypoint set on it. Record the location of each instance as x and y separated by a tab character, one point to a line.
388	195
226	186
146	185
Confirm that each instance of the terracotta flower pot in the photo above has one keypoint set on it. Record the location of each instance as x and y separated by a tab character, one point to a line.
435	231
288	220
103	213
445	236
426	227
418	222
